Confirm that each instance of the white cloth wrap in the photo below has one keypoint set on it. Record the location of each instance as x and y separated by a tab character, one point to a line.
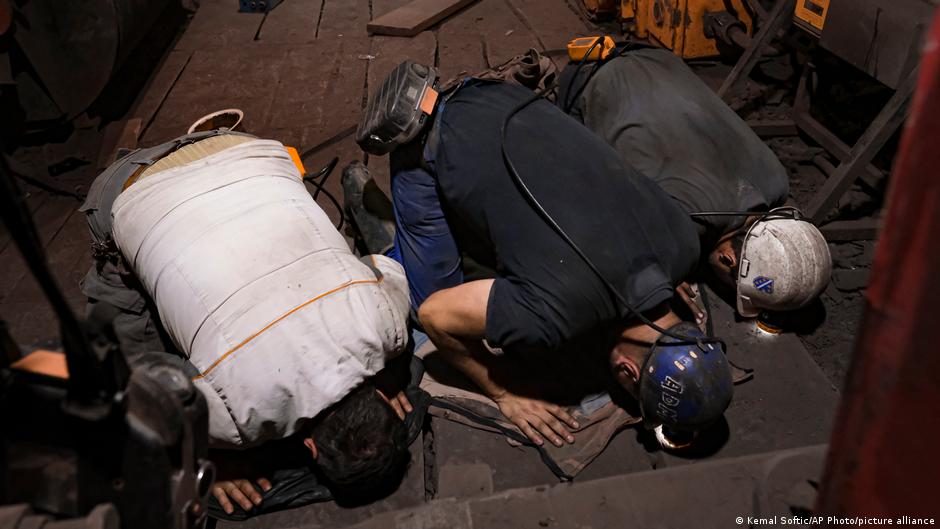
253	282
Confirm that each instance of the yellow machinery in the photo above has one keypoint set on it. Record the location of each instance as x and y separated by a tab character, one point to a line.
680	25
811	15
595	9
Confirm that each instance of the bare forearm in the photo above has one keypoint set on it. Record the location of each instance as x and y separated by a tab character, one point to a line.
455	319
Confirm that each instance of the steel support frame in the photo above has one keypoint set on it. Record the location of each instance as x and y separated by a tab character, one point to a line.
780	16
858	158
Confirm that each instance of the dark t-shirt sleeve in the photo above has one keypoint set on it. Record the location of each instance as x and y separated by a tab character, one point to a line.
520	317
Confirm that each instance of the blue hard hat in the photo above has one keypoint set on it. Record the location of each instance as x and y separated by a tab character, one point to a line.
683	385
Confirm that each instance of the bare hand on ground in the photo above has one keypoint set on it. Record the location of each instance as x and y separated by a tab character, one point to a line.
537	418
689	295
399	404
239	491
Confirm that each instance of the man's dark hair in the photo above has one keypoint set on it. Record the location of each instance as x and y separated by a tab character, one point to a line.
362	449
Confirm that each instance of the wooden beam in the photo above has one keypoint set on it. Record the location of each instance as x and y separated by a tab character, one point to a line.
882	128
415	17
118	135
781	15
851	230
773	128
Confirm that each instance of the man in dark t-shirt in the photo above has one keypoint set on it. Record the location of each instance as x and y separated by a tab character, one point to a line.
455	201
544	294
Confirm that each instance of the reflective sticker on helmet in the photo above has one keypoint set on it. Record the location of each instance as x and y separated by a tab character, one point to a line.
764	284
665	412
671	384
670	400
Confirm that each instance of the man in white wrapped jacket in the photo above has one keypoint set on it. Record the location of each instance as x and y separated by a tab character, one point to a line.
211	247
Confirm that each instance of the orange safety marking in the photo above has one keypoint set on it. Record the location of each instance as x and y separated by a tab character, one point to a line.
48	363
295	156
428	101
278	320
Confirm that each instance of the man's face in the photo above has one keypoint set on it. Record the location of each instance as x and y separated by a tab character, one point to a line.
723	261
625	370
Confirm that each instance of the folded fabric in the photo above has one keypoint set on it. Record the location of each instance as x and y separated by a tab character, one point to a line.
455	398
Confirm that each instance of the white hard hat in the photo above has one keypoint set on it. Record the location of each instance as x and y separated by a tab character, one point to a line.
784	264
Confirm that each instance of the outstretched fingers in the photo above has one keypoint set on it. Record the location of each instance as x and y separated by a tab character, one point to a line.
240	492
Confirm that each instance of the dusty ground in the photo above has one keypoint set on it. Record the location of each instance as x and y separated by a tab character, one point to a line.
301	74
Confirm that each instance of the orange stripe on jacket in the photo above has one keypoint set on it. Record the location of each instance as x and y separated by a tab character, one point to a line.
280	318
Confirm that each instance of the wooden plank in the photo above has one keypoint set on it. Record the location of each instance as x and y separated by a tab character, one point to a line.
419	15
383	7
32	320
460	55
159	86
33	201
243	77
389	52
48	218
293	22
118	135
218	24
342	18
460	47
554	22
321	89
486	34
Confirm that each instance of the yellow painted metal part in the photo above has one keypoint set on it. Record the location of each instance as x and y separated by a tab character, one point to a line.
594	9
679	25
579	47
812	13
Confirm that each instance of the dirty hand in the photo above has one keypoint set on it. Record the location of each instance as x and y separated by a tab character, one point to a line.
240	491
535	416
399	403
689	295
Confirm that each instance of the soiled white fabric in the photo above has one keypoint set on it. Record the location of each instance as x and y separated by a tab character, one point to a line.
254	283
